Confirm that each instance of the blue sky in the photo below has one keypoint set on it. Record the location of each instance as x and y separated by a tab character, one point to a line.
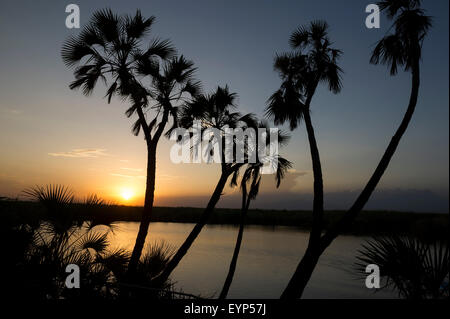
234	43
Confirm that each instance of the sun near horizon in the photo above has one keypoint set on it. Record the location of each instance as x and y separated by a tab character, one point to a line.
126	194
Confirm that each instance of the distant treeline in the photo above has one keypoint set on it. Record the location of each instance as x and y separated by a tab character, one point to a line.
426	225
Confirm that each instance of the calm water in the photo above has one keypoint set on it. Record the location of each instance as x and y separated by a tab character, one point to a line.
267	259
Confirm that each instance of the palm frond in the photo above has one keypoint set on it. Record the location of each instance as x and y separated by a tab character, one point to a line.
234	178
223	98
299	38
332	76
111	91
389	51
179	69
254	189
249	120
90	36
155	258
412	267
73	50
107	23
92	200
161	48
147	66
115	261
402	48
285	106
93	240
193	88
51	195
131	110
137	26
283	165
136	128
393	7
318	30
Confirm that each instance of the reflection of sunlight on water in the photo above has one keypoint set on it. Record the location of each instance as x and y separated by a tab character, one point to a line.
268	258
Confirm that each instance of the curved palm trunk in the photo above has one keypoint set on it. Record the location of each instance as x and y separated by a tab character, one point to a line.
306	267
307	264
173	263
237	248
302	274
362	199
152	144
147	211
318	182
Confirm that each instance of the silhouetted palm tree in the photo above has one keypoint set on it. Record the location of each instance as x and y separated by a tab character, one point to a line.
172	85
402	48
213	111
313	62
109	48
60	239
61	235
153	260
249	185
414	268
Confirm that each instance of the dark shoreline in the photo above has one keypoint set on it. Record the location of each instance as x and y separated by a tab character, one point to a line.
427	225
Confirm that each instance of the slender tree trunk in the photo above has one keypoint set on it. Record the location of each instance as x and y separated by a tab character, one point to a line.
237	248
173	263
306	267
147	211
152	144
318	182
302	274
309	261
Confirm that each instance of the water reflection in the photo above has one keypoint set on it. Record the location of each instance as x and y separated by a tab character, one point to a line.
267	260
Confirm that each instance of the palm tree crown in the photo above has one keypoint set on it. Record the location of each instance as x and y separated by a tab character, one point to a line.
170	84
216	110
251	176
404	46
110	48
313	61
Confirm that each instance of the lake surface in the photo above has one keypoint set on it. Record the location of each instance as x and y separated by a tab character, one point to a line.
266	262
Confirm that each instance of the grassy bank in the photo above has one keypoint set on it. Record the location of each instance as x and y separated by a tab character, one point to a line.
427	225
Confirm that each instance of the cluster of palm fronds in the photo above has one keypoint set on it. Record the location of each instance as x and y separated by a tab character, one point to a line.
36	261
414	268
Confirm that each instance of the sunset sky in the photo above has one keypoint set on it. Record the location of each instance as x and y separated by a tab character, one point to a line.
50	134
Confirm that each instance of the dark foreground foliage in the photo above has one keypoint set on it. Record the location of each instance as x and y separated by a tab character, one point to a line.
37	249
416	269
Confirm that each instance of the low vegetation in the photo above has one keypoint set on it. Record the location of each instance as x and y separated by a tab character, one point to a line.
427	225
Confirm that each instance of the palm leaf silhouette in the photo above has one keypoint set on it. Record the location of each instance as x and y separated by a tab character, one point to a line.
414	268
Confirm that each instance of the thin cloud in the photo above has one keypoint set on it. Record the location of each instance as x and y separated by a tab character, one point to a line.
132	169
164	177
167	177
127	176
296	172
81	153
11	111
